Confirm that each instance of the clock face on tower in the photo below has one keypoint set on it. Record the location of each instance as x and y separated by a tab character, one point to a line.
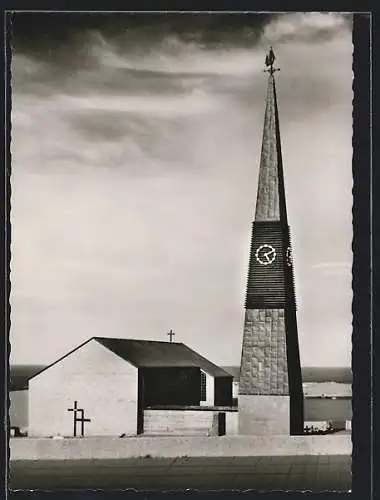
265	254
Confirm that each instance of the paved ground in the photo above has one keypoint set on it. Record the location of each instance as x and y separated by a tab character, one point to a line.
315	473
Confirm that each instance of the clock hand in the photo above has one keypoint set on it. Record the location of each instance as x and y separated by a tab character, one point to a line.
266	254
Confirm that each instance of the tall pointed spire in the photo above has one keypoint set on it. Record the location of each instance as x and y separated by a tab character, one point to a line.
270	389
270	205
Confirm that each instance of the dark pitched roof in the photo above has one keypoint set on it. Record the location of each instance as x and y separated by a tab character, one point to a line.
149	353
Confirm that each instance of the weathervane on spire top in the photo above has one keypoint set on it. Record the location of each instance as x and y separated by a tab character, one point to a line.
269	61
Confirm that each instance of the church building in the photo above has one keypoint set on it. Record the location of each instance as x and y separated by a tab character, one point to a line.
112	387
270	390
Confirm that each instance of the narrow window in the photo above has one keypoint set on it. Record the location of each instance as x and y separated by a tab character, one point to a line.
203	386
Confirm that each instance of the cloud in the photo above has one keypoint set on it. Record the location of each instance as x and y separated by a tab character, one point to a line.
186	59
156	101
310	27
195	103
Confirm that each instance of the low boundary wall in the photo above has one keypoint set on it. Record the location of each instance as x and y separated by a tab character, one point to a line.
92	448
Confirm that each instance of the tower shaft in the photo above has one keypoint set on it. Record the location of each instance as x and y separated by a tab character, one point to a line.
270	390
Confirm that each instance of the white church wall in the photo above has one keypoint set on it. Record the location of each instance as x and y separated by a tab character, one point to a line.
235	389
104	385
210	390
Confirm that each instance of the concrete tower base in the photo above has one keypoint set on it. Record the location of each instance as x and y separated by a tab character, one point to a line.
264	415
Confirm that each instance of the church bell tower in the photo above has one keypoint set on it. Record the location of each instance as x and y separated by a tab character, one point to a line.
270	390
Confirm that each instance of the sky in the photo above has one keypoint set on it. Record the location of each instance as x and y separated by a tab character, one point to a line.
135	150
